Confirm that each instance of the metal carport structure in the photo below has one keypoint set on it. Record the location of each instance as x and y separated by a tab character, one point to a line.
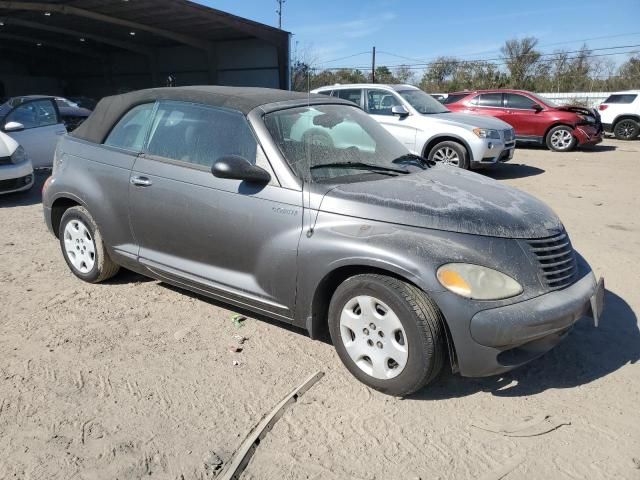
98	47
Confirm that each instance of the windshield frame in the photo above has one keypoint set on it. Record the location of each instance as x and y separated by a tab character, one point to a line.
406	93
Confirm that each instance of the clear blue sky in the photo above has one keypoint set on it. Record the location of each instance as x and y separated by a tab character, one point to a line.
424	29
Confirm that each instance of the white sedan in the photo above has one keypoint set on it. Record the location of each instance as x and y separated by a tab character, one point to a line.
35	123
16	170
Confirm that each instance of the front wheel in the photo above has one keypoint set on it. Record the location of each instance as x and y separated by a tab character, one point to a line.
626	129
561	139
388	333
83	248
450	153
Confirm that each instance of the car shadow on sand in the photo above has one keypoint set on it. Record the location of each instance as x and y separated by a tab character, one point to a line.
30	197
587	354
508	171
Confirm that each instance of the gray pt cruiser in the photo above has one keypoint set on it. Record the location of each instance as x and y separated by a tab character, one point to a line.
304	209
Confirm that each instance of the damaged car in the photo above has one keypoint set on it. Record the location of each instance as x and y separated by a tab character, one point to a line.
536	120
304	209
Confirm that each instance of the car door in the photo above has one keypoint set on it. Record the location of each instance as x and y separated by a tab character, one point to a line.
231	239
527	120
488	104
379	104
37	127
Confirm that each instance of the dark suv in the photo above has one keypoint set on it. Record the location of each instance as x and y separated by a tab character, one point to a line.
305	209
534	118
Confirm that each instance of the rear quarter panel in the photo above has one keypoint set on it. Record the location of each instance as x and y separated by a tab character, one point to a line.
96	177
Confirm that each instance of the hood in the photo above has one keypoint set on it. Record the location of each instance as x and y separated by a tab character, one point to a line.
472	121
589	112
449	199
576	109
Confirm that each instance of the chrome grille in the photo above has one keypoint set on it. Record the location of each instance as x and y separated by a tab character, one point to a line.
557	260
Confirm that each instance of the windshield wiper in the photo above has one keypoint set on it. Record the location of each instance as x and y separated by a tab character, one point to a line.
359	165
414	159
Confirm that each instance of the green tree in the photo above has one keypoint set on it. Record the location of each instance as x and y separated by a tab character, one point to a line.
521	58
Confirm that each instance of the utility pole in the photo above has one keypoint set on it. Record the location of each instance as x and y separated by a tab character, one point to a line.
373	66
279	12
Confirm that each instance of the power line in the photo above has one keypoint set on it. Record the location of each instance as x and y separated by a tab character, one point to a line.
494	61
344	58
603	37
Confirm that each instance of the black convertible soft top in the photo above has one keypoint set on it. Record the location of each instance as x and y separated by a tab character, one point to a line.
242	99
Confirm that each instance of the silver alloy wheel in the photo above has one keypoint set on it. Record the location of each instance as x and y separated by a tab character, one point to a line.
625	129
79	246
448	156
561	139
374	338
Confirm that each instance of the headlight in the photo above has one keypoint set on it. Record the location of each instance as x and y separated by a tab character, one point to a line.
19	155
487	133
479	283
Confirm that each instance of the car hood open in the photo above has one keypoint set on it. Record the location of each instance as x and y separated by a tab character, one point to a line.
446	198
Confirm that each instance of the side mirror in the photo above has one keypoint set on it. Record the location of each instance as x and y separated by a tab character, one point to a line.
234	167
400	110
536	107
13	127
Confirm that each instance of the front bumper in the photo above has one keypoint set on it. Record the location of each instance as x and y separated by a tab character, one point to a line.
588	134
16	177
491	151
500	339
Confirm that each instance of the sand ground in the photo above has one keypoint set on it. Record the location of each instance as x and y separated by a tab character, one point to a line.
135	379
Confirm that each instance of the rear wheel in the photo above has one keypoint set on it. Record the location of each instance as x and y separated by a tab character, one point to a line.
450	153
626	129
388	333
83	248
561	139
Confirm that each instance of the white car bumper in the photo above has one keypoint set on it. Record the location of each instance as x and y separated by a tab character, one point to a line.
487	151
16	177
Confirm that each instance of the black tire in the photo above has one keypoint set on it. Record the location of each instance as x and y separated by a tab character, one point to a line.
560	129
103	267
420	318
460	150
626	129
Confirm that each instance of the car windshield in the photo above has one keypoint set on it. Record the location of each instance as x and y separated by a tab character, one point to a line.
338	144
423	102
544	100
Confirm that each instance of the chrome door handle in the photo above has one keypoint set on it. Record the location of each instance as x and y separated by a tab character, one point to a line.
141	181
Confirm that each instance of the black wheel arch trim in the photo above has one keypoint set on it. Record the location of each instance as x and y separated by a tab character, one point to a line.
444	138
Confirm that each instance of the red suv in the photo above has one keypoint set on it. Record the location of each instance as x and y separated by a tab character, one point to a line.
534	118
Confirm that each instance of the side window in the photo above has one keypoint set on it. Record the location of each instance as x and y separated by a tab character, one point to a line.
518	101
380	102
325	92
490	100
130	131
39	113
352	94
200	135
621	98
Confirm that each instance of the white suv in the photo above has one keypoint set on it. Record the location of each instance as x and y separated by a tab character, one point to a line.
428	128
620	114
